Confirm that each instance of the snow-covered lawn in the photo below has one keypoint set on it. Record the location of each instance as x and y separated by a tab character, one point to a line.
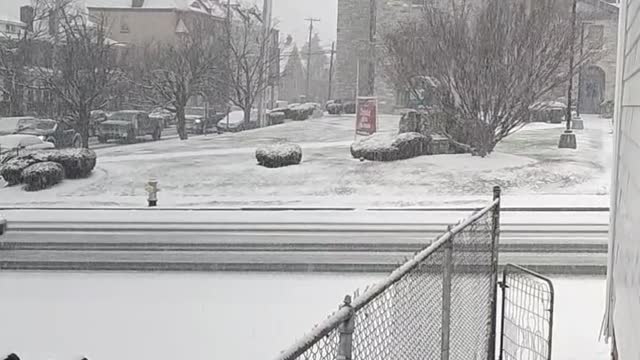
221	170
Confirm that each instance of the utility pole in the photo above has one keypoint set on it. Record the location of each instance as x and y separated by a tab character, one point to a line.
311	21
372	49
265	66
228	72
333	51
568	138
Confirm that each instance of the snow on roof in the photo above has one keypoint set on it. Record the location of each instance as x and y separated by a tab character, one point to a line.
211	7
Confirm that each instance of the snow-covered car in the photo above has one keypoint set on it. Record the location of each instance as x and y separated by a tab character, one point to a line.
235	122
164	116
13	145
59	133
9	125
127	125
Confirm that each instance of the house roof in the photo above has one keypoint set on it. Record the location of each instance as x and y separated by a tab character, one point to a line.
211	7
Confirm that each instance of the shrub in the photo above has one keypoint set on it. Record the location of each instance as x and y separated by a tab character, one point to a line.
42	175
334	108
276	117
411	145
77	163
382	147
376	147
279	155
349	107
12	170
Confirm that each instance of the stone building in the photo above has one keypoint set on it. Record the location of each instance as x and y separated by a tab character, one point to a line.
292	72
360	23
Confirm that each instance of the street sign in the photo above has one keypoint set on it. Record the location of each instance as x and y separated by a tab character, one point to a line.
366	115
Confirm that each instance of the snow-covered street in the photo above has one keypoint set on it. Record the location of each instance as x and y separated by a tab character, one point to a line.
221	170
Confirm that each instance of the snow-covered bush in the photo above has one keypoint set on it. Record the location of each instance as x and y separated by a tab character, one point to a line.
334	108
276	117
42	175
304	111
411	145
377	147
12	170
77	163
383	147
279	155
349	107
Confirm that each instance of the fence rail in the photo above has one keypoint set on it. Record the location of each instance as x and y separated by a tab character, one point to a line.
441	304
527	315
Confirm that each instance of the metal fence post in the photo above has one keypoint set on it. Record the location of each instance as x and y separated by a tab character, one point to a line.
495	239
447	271
345	333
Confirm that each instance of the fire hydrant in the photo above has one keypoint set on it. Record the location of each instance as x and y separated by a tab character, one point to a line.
152	190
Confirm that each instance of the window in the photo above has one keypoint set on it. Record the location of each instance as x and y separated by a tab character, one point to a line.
124	24
594	37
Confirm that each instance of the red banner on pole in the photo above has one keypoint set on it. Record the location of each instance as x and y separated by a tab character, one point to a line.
366	115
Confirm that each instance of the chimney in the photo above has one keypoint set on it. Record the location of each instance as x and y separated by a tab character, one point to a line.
137	3
26	16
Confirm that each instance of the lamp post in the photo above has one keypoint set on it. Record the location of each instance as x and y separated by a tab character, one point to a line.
568	138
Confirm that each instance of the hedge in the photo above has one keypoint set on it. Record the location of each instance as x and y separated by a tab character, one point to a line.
42	175
77	163
382	147
279	155
12	170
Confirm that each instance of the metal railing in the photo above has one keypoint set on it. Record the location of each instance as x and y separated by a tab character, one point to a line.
527	315
440	304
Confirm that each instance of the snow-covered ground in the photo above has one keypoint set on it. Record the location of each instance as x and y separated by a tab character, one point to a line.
126	316
221	170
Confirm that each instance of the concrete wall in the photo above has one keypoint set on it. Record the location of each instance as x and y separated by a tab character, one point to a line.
624	250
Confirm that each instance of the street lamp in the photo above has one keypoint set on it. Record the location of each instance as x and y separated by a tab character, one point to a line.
568	138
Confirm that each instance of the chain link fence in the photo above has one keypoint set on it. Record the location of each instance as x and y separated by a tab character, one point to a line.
441	304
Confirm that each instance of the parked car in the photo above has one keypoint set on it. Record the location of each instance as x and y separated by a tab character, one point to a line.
163	115
97	117
12	145
236	122
127	125
195	120
9	125
58	133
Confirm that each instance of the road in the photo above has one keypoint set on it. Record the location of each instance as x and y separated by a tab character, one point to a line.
560	242
167	134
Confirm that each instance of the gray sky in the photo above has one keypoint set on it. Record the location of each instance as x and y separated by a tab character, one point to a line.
290	15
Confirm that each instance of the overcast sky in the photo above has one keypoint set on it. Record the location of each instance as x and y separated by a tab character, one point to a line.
290	15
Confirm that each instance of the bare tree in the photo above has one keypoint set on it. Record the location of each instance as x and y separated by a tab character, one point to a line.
84	66
21	51
252	52
485	66
169	74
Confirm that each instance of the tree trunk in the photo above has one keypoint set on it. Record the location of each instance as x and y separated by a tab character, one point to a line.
182	131
83	128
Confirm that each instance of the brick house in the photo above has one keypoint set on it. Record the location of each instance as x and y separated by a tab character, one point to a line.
357	26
